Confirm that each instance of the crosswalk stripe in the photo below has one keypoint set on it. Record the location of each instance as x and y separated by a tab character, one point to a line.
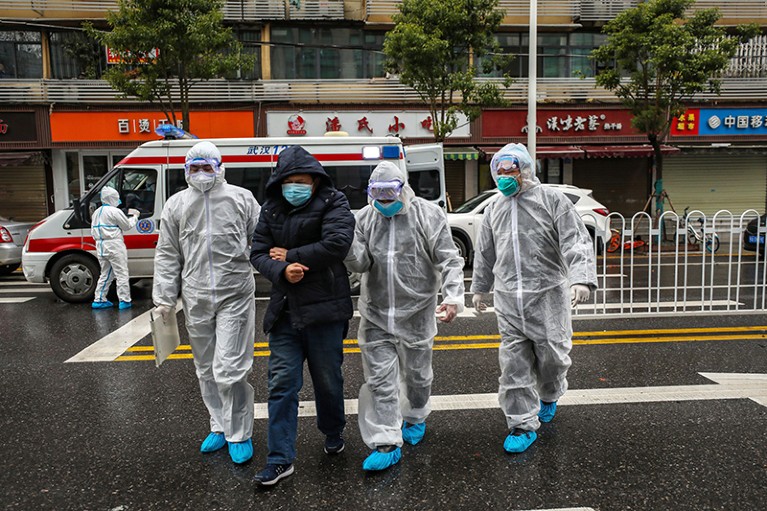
20	299
8	291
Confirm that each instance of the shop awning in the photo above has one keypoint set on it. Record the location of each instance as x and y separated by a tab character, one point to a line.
460	153
12	159
625	151
544	151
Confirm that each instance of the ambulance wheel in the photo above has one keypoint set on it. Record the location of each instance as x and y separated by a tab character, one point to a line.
74	278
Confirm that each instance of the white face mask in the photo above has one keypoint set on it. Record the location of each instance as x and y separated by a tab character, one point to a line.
203	181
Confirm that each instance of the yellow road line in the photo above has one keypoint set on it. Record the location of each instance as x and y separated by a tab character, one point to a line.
494	345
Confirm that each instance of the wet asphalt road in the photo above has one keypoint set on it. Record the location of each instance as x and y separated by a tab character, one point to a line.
124	435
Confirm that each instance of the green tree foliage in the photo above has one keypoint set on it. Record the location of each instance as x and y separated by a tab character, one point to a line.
167	45
435	47
658	59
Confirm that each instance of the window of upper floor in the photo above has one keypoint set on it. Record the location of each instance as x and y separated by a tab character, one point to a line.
21	54
326	53
560	55
75	55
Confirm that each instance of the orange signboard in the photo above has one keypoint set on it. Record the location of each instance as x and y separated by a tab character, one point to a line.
139	126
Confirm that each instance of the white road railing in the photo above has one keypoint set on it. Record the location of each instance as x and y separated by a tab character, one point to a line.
678	265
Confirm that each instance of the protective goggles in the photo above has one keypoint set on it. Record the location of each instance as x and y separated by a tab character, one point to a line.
385	190
202	162
508	163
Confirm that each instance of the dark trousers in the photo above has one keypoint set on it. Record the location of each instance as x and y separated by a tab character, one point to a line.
321	345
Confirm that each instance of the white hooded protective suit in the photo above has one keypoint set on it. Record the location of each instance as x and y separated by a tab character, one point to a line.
203	254
107	226
532	247
404	260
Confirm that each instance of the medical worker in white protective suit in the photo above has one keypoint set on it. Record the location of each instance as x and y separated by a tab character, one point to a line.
107	226
535	250
203	254
403	247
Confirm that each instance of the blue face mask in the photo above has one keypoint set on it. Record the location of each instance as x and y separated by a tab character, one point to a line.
388	210
297	194
508	185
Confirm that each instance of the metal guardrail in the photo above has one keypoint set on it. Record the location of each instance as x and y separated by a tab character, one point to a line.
679	267
380	90
512	8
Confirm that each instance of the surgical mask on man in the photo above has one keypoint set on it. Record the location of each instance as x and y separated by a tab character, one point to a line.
508	185
297	194
388	210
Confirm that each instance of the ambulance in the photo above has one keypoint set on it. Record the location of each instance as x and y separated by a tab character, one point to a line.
60	249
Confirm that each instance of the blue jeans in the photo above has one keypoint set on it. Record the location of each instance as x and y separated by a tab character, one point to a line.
321	345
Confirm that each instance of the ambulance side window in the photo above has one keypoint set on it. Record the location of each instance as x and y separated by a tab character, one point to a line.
175	181
137	190
425	183
250	178
352	181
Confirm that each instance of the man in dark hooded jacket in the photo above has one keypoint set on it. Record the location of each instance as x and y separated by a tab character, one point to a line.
302	237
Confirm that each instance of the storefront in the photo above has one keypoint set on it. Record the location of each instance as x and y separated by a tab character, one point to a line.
595	148
24	168
86	145
723	163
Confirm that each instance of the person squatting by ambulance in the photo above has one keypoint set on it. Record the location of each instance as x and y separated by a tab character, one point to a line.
107	228
536	253
203	255
405	252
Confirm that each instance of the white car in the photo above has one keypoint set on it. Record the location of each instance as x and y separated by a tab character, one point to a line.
465	220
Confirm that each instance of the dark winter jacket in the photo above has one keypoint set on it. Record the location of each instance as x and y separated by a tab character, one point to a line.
317	234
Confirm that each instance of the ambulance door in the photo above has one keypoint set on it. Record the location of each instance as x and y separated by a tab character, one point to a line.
426	171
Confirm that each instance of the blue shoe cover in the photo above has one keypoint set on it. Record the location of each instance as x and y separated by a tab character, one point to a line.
125	305
547	411
382	460
519	443
102	305
413	433
240	452
213	442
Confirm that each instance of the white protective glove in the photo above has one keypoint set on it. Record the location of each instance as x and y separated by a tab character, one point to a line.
579	294
162	311
479	305
133	212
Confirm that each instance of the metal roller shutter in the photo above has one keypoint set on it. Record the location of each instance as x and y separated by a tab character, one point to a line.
22	193
709	183
621	184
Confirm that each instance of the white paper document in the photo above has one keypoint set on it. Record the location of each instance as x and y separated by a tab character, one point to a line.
165	337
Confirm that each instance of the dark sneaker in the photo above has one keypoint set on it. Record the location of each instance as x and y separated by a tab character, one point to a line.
334	444
273	473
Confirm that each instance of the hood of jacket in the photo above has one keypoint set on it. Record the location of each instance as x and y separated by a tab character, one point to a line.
295	160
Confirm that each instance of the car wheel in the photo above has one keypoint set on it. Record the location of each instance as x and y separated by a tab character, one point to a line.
463	250
7	269
74	278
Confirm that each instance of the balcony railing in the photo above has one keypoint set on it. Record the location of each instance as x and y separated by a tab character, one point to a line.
381	10
512	8
249	10
605	10
549	90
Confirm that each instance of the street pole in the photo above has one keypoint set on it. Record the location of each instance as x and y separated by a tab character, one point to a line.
532	80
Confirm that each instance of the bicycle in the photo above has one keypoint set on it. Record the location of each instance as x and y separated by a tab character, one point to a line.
695	236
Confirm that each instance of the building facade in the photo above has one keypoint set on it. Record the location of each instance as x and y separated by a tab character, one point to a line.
317	65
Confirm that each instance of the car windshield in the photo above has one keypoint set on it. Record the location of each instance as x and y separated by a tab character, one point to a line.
472	203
